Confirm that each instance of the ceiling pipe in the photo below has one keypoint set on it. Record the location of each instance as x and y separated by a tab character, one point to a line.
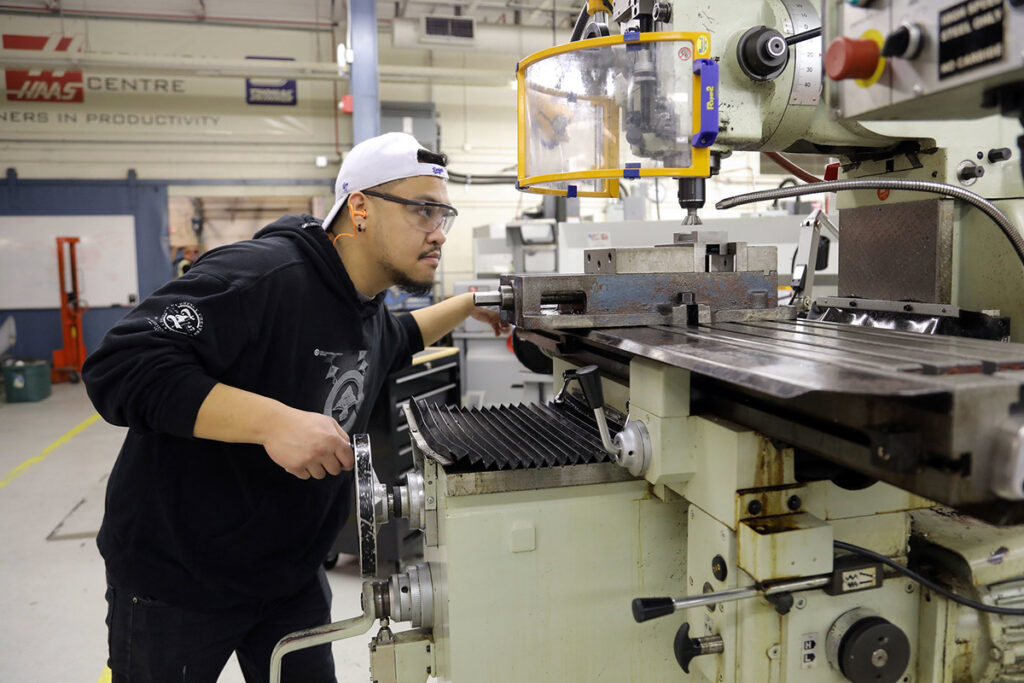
253	22
237	68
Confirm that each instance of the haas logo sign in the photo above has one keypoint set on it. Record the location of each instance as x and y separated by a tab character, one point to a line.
39	85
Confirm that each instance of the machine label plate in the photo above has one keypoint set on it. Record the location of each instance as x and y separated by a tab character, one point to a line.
809	650
971	34
859	579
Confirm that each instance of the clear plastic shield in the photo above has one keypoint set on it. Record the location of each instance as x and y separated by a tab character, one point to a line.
607	109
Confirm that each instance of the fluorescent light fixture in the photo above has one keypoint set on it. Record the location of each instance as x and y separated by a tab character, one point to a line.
343	57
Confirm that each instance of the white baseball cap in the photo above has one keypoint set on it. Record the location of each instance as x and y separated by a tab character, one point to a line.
379	160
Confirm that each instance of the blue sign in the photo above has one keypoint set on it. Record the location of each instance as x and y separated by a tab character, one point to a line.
275	91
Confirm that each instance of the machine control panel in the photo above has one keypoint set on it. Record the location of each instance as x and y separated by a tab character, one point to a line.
927	51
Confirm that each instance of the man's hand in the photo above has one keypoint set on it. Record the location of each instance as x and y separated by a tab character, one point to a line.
309	444
304	443
490	317
438	320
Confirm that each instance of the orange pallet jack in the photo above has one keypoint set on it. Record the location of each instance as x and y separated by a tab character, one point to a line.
67	361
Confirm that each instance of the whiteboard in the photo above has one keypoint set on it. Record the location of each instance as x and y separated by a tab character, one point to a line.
107	271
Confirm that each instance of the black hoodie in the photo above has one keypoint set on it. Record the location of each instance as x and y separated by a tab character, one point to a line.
201	523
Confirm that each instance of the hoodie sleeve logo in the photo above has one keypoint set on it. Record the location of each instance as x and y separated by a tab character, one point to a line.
346	374
182	318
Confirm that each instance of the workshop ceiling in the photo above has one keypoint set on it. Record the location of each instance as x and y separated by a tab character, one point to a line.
305	13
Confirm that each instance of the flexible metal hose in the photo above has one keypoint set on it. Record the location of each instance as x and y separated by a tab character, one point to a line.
977	201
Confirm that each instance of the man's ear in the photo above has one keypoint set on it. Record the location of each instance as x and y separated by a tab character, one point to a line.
357	204
357	210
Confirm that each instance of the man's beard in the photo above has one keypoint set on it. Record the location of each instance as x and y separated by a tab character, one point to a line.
407	284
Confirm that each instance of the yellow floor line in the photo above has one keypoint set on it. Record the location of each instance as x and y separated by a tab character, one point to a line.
105	676
20	469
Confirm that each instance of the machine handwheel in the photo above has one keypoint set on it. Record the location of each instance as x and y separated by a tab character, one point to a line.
366	514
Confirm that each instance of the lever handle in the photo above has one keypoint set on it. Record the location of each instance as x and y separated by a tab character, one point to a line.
686	648
590	382
645	609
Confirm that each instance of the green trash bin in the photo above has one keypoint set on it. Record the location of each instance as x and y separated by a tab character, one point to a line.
29	381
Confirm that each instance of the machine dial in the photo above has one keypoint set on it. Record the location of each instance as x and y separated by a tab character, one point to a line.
807	75
867	648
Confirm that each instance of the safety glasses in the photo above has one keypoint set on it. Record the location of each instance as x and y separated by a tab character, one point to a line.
427	216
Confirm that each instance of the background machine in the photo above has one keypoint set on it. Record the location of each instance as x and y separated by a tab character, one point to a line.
726	489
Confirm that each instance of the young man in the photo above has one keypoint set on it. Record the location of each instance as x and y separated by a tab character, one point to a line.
240	383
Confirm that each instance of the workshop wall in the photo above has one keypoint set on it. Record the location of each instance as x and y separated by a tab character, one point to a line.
39	330
197	130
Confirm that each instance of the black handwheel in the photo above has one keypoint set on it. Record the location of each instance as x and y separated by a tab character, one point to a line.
366	511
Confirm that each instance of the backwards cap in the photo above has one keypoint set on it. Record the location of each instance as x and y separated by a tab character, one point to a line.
379	160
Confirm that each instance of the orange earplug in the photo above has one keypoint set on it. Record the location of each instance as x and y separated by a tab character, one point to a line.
357	212
359	228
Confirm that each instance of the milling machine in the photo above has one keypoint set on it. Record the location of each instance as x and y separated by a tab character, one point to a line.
727	489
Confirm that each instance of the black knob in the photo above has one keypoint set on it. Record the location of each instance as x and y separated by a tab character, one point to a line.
590	382
970	172
904	42
719	567
782	602
999	154
762	53
645	609
686	648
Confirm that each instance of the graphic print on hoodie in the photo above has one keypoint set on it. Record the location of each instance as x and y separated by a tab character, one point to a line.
346	374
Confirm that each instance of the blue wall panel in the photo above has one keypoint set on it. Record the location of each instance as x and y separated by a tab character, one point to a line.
39	330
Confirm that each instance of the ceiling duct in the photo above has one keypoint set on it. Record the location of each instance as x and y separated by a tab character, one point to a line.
511	39
448	31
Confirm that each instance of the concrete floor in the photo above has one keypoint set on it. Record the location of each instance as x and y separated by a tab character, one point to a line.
51	503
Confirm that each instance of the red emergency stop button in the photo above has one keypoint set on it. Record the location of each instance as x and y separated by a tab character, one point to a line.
851	58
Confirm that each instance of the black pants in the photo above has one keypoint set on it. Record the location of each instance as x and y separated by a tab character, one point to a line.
153	642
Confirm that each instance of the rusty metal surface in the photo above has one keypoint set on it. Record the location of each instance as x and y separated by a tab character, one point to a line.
578	301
